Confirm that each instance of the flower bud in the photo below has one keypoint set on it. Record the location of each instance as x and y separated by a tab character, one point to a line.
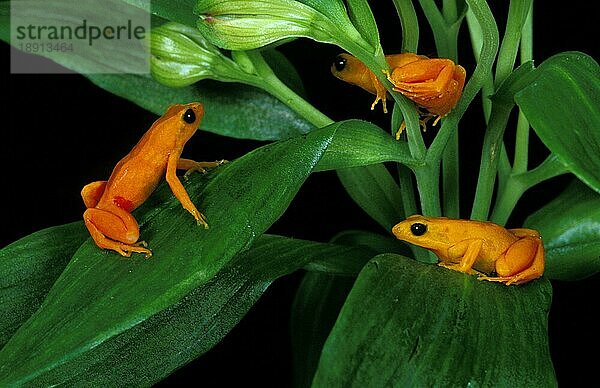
250	24
182	56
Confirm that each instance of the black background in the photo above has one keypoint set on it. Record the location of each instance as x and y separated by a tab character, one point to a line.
60	132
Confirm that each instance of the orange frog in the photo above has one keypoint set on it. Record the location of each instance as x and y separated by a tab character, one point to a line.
433	84
515	256
110	203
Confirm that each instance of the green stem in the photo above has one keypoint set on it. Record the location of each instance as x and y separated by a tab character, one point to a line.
517	184
504	168
487	86
267	80
409	24
407	189
522	135
492	146
521	159
450	179
445	32
438	26
507	55
483	69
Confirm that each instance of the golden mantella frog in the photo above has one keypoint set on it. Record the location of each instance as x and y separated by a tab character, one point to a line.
435	84
513	256
110	203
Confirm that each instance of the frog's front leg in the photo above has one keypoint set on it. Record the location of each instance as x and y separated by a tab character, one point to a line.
191	166
178	189
380	92
115	229
523	261
467	252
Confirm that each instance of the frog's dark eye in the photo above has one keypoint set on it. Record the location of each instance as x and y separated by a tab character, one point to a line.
339	63
189	116
418	229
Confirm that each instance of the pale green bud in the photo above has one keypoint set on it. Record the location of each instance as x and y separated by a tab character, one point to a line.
182	56
250	24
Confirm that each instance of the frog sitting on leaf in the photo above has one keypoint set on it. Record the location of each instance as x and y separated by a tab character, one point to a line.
158	154
514	256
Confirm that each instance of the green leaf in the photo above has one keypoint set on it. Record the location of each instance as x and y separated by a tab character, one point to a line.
230	109
151	349
411	324
570	228
362	17
562	107
180	11
375	191
359	143
316	307
29	267
100	295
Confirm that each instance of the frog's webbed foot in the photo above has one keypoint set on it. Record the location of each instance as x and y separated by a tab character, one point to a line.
126	250
383	102
422	123
380	93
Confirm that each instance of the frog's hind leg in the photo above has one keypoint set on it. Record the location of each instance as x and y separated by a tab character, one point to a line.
522	262
115	232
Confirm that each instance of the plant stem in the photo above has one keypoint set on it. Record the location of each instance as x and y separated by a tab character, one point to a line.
445	32
522	136
517	14
450	179
492	144
517	184
489	48
521	158
409	24
267	80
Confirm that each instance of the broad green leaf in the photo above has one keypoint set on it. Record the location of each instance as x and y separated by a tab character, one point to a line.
411	324
100	295
570	228
375	191
562	107
94	300
29	267
150	350
316	307
359	143
230	109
